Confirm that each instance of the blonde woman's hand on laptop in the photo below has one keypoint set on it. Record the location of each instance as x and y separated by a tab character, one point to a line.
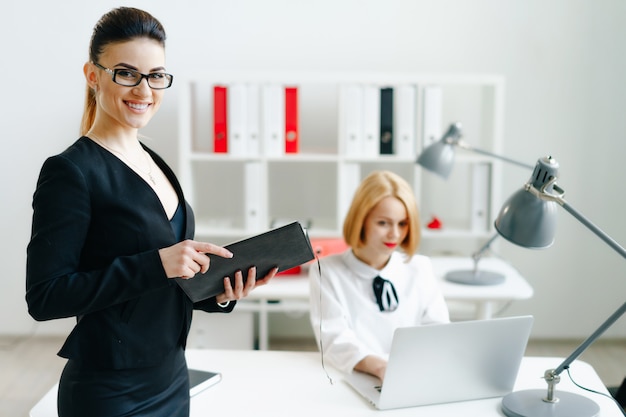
372	365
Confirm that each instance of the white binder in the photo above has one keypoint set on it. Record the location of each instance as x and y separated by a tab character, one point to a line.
254	196
433	118
480	197
237	119
371	121
351	119
273	111
406	115
253	103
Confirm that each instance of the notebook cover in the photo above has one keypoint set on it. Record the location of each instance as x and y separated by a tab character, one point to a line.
285	247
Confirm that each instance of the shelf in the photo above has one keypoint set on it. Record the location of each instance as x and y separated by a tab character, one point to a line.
235	196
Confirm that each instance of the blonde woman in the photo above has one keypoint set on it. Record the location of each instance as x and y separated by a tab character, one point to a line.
378	284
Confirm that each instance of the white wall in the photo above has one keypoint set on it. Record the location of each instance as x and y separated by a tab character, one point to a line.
563	61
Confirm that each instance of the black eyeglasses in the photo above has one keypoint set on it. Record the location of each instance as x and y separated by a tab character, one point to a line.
131	78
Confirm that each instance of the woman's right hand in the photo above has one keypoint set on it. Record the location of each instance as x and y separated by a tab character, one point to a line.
372	365
185	259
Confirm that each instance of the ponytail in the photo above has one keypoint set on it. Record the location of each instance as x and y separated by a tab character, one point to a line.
89	112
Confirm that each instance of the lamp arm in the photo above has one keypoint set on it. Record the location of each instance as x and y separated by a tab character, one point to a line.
584	345
543	194
595	229
478	254
466	146
558	198
620	311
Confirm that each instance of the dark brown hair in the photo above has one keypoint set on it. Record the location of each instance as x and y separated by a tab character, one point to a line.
119	25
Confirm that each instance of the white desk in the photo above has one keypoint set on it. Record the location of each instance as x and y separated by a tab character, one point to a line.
290	293
486	297
276	383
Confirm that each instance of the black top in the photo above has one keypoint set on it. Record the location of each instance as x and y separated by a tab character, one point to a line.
178	223
97	227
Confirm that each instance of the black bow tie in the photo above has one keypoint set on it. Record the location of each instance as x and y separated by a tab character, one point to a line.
385	293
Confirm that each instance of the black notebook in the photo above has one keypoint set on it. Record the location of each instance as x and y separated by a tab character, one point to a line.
201	380
285	247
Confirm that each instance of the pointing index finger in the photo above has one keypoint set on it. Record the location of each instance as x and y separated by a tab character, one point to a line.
216	250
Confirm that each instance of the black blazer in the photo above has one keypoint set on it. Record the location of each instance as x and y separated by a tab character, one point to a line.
97	227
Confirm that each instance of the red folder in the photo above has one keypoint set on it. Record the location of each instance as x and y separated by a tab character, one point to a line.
292	135
220	119
328	246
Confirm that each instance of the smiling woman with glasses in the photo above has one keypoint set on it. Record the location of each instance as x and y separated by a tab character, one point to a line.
111	230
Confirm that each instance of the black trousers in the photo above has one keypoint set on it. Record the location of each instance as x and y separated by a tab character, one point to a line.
159	391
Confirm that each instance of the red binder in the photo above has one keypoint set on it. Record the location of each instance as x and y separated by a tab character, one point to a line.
220	119
328	246
292	135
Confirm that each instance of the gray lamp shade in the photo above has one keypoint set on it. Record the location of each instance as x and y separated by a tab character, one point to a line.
439	157
527	219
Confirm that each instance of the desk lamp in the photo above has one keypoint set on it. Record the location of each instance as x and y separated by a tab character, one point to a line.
528	219
439	159
477	276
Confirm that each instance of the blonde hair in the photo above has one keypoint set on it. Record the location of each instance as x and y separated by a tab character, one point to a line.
374	188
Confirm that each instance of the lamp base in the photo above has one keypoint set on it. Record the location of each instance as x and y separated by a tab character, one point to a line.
530	403
475	277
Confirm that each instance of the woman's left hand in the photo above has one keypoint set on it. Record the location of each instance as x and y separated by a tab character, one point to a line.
241	289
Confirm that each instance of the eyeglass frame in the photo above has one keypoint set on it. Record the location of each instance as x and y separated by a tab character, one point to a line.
114	72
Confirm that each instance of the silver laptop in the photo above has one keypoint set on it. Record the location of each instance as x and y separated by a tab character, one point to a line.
443	363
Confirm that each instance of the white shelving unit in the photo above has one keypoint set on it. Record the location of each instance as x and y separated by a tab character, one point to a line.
237	196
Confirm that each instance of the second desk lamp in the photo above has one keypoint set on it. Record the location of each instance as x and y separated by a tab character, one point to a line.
528	219
439	159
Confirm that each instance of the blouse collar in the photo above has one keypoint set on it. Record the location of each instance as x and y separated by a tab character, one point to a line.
363	270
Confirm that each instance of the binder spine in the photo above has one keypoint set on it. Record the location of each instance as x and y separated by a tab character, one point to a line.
406	115
432	115
386	121
273	120
220	119
371	121
292	134
254	120
237	120
480	197
351	120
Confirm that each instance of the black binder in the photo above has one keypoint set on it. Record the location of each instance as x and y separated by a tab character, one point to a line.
285	247
386	121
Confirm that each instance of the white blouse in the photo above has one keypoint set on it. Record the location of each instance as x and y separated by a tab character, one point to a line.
346	319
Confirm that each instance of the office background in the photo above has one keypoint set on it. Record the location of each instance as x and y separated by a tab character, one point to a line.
563	60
